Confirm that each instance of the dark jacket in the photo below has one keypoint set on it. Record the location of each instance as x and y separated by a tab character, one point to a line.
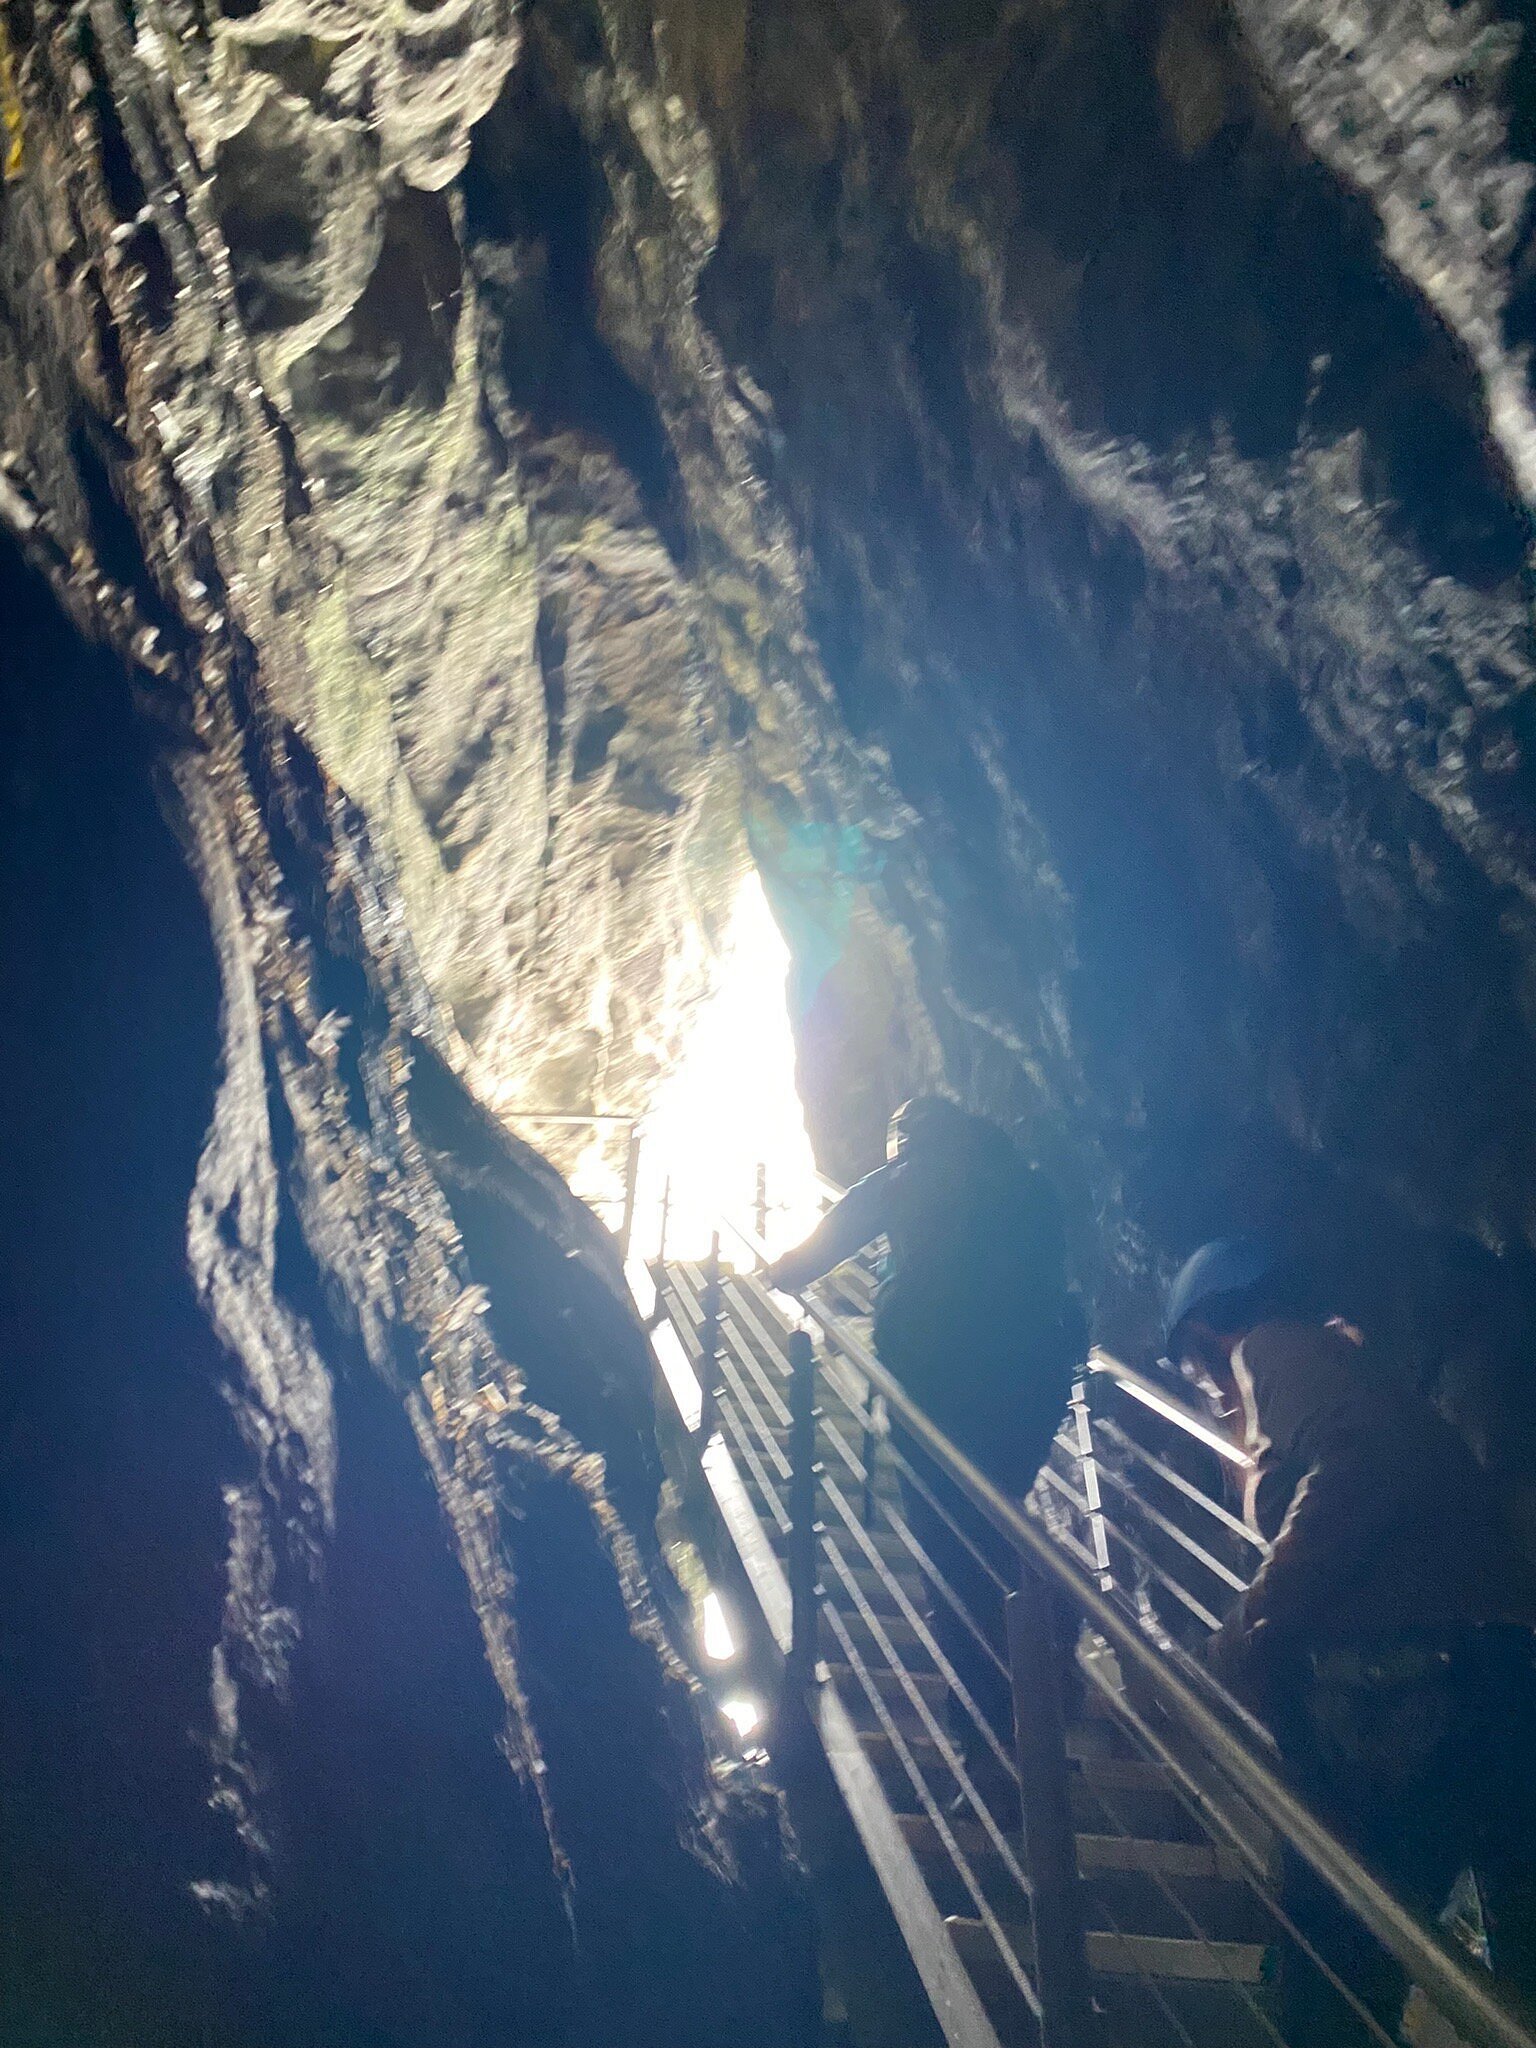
973	1313
1391	1524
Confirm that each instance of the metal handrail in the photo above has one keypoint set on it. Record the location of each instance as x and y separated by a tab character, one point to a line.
1464	1999
1136	1384
1169	1406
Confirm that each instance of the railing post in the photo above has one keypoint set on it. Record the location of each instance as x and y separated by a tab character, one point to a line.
1082	1416
801	1556
760	1206
869	1450
1050	1838
631	1183
709	1344
666	1204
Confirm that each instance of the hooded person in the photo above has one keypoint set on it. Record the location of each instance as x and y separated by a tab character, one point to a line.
1389	1638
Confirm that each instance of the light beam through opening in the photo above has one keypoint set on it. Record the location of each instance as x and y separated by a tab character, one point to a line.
730	1106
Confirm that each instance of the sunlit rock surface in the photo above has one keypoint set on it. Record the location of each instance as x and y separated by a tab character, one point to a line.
1052	481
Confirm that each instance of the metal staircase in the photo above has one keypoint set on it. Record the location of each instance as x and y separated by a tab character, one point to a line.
1080	1837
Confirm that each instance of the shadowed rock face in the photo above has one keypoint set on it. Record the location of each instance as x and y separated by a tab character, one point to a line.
252	444
1052	480
1135	410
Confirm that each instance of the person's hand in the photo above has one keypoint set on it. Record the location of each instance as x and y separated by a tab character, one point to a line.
1243	1656
1229	1653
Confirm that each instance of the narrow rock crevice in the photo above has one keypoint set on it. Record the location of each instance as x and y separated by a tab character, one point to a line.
1052	486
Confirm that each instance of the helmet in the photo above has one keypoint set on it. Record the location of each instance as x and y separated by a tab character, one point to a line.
921	1121
1227	1265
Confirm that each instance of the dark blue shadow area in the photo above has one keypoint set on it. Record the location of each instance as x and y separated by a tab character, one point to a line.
411	1896
112	1431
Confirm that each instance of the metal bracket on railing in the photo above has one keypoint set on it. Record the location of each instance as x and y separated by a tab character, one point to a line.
709	1346
869	1452
631	1187
801	1555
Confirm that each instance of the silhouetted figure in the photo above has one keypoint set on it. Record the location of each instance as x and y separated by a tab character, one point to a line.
1388	1638
974	1317
973	1313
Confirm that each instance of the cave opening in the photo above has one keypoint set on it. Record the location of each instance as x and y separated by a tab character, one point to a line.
723	1137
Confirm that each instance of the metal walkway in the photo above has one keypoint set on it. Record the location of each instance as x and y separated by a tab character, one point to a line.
1080	1837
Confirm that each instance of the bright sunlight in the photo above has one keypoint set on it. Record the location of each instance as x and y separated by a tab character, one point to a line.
730	1107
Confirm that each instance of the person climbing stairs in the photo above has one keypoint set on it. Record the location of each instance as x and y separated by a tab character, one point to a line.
1132	1898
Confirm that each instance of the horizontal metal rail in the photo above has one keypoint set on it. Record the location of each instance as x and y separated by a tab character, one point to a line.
1169	1406
1223	1735
1234	1524
1465	2000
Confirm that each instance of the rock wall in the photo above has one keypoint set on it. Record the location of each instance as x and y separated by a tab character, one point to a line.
370	376
1053	481
401	1290
1062	474
1104	439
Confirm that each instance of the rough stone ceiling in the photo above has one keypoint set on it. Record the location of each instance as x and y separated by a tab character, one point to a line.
1083	453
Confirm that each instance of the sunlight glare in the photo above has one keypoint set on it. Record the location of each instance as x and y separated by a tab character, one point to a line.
744	1716
718	1642
731	1105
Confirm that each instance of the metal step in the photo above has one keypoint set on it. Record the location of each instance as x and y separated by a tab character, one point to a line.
1150	1811
1118	1773
1178	2012
1126	1955
828	1429
895	1778
1096	1854
889	1684
875	1585
901	1708
1175	1907
902	1636
884	1541
1144	1901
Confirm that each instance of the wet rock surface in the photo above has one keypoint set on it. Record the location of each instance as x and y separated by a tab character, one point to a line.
1053	481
